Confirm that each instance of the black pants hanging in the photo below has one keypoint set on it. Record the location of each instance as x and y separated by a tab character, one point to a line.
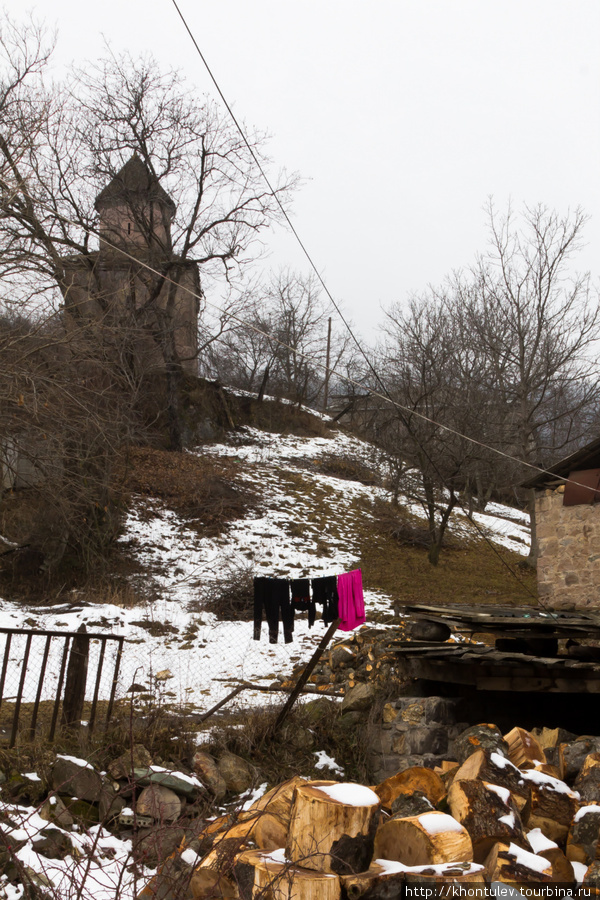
325	593
301	599
273	595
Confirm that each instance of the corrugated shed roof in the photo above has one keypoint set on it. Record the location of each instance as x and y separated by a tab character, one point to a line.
134	183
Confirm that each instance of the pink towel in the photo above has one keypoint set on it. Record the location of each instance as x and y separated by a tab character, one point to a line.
351	605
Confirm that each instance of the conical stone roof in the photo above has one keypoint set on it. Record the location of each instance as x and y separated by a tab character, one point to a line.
134	184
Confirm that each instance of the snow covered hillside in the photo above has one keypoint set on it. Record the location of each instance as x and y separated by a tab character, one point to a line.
303	523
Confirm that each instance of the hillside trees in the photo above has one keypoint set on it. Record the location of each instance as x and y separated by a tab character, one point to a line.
281	345
59	145
501	354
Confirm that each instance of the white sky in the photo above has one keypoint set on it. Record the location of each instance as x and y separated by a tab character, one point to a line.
403	116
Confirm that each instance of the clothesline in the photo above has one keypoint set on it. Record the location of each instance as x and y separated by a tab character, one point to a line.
340	596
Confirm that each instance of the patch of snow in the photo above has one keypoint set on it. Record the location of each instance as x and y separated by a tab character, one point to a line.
508	820
33	776
350	794
190	857
326	762
255	795
554	784
391	867
527	859
83	763
584	810
437	823
539	842
579	870
502	792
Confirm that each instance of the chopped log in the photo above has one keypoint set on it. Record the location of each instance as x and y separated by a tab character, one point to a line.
562	870
496	769
549	769
584	836
587	782
272	876
523	749
414	804
205	884
379	882
552	807
454	880
417	778
423	840
513	865
479	737
489	814
332	827
384	880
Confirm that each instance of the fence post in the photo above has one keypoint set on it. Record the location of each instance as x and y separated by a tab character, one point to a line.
76	678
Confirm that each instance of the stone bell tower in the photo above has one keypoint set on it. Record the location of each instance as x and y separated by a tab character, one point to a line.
135	277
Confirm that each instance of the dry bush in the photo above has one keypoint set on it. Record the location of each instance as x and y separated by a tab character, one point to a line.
231	598
200	488
400	525
350	468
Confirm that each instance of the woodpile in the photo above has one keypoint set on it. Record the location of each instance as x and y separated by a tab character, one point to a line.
500	816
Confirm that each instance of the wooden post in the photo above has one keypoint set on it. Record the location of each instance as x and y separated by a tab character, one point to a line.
76	678
306	674
327	361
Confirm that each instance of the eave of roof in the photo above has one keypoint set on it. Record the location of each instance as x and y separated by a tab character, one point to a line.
586	458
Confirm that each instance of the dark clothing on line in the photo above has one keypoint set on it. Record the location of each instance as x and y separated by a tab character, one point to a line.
273	595
325	593
302	601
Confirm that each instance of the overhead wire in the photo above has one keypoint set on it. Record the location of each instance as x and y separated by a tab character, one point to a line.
372	369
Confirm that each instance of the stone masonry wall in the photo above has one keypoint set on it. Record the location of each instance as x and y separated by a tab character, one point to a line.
569	552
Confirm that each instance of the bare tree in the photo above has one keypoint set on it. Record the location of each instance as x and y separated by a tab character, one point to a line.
536	323
60	145
282	342
73	369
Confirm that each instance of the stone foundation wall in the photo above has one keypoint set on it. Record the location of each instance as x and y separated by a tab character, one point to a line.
569	552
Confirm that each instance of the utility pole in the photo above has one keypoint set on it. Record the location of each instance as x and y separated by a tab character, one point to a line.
326	386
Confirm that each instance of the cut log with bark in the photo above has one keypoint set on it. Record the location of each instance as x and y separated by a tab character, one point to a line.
378	882
206	884
495	769
261	875
417	778
332	827
489	814
513	865
562	870
463	880
584	836
587	782
552	807
423	840
523	749
386	880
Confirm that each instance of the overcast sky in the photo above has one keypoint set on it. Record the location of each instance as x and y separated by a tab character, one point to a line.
402	116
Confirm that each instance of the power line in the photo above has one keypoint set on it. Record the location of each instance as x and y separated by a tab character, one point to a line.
379	381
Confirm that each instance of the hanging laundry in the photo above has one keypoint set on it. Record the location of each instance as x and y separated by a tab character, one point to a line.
302	601
273	595
351	601
325	593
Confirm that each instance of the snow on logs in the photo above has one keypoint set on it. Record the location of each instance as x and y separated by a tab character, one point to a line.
432	837
340	841
332	827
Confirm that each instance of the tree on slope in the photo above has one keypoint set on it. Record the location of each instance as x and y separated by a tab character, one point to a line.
59	145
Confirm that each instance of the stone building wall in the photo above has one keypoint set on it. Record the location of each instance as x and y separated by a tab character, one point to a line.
569	552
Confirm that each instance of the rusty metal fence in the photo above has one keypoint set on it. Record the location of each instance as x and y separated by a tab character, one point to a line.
54	667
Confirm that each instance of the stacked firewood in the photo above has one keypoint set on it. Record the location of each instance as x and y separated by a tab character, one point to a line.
503	814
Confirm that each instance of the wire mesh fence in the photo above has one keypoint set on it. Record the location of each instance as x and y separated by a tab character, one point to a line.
193	669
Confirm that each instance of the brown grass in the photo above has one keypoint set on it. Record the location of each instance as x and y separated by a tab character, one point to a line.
471	571
200	488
